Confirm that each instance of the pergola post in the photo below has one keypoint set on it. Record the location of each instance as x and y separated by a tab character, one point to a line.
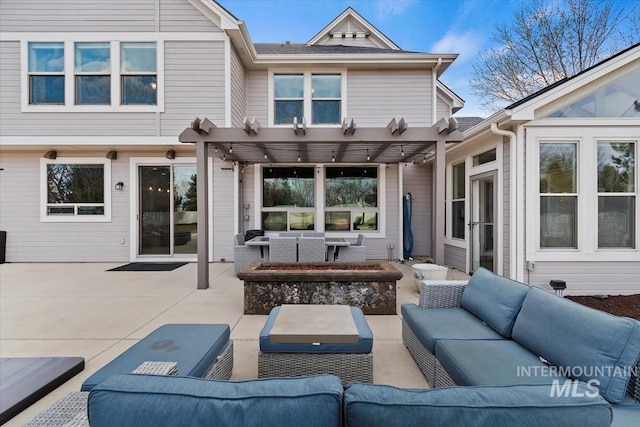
439	201
202	187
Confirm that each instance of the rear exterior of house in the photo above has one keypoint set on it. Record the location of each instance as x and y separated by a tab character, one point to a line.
547	189
95	94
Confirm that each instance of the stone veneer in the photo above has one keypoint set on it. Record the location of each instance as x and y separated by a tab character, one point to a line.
373	290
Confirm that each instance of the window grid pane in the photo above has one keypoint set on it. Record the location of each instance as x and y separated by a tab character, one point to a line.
616	167
46	90
137	58
558	222
558	168
46	57
93	58
616	222
139	90
93	90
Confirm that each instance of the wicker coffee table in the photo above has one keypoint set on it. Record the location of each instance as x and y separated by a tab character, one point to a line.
307	339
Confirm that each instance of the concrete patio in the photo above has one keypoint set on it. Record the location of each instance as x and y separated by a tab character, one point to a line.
83	310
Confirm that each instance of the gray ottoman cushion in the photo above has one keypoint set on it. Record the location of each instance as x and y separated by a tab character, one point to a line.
194	346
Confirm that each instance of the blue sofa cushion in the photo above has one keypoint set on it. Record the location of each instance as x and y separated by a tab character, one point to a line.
481	362
369	405
433	324
494	299
363	345
626	413
194	346
131	400
589	343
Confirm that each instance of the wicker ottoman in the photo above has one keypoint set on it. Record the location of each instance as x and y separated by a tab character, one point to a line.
294	355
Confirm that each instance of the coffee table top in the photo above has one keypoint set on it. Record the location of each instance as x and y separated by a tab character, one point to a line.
311	323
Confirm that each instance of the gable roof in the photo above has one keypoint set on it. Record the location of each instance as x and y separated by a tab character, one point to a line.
567	79
305	49
364	27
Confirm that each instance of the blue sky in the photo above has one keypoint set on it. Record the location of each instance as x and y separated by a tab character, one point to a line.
434	26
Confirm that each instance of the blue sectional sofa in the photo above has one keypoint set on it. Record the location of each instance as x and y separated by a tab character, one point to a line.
145	400
499	332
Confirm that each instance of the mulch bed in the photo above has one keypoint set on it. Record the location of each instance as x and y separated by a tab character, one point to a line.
620	305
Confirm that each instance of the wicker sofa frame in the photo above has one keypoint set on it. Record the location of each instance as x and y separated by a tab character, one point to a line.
447	294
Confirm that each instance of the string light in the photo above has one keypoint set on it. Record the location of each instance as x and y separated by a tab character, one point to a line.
230	148
402	151
265	155
424	158
224	157
333	158
299	159
215	149
368	156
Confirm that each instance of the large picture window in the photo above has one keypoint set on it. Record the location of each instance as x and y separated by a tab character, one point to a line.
288	198
616	194
315	97
459	180
351	202
46	73
558	195
76	189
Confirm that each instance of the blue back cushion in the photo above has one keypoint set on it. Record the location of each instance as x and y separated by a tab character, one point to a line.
363	345
194	346
523	406
589	343
152	400
494	299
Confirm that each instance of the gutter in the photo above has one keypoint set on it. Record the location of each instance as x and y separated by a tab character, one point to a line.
515	186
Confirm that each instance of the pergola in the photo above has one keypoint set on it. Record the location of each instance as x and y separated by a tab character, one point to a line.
251	144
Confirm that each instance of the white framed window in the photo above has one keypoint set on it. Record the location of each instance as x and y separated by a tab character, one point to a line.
318	97
351	199
288	198
75	189
93	75
558	163
617	192
458	201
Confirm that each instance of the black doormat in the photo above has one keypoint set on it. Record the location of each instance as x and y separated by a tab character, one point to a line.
149	266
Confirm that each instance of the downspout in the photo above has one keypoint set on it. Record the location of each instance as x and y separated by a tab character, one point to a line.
513	177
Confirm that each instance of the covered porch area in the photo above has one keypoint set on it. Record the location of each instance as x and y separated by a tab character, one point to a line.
397	143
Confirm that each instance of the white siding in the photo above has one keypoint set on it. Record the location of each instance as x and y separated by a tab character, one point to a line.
179	15
238	90
194	84
443	109
258	96
455	257
223	220
78	15
417	180
588	278
374	98
30	240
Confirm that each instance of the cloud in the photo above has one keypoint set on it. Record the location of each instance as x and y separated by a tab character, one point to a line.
467	44
385	9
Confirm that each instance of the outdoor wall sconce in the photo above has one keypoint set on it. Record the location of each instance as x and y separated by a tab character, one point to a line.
51	155
112	155
171	154
119	185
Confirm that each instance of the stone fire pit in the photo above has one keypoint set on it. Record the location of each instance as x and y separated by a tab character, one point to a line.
370	285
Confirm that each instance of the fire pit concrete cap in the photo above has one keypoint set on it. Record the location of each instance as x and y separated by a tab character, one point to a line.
330	271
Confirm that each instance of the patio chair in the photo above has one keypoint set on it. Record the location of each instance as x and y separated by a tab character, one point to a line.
355	252
244	255
311	249
283	249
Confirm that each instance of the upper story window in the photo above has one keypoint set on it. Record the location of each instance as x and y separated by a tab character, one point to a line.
93	76
138	72
558	195
93	73
46	73
317	97
76	189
